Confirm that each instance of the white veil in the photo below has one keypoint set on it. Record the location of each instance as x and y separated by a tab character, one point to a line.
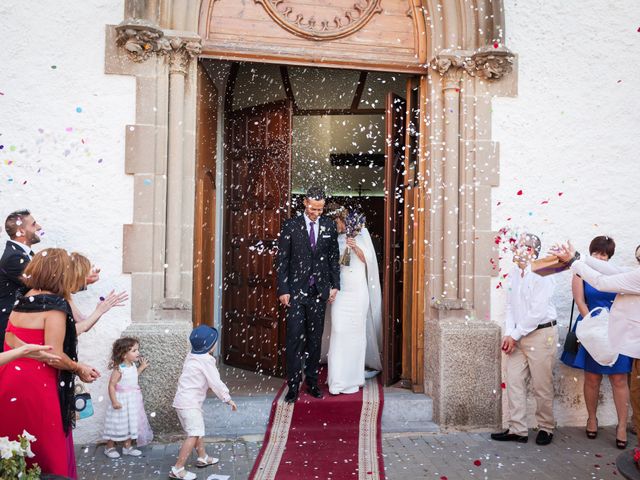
373	356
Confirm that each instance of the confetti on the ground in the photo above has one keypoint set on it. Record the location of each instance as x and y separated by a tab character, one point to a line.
477	463
79	109
147	181
519	192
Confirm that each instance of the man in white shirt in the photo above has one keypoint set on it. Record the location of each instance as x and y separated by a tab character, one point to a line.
529	345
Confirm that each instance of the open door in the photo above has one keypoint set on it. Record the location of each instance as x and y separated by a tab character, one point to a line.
396	108
257	198
205	204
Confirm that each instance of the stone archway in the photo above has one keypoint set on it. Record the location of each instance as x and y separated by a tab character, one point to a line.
460	49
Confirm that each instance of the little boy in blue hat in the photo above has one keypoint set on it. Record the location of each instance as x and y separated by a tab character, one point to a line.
199	374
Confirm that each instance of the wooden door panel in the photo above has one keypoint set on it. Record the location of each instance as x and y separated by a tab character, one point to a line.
393	240
258	192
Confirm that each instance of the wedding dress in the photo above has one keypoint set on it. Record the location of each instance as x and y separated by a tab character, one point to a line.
353	321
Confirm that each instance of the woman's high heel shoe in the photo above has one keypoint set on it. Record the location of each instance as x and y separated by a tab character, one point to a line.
620	444
590	433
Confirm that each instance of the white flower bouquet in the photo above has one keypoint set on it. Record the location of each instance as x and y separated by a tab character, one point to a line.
13	455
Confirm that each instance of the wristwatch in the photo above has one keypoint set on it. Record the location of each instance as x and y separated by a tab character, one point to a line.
575	257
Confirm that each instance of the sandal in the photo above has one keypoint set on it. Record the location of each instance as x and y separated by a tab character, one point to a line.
181	474
206	461
620	444
590	433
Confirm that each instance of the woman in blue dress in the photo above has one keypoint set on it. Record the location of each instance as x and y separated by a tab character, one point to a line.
587	298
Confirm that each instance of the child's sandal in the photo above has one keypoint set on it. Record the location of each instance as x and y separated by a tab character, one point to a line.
206	461
181	474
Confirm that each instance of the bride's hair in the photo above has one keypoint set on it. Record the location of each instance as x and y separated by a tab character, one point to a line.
335	210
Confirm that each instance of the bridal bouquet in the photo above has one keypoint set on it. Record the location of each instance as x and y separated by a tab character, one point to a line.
354	223
13	456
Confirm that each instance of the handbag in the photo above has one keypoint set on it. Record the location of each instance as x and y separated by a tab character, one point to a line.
593	333
571	344
82	402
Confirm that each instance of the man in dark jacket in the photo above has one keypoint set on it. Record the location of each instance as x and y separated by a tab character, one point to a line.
308	278
23	233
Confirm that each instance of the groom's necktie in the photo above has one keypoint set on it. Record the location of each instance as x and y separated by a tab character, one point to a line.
312	237
312	241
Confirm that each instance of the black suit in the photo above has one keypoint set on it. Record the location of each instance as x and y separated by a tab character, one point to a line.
13	262
307	275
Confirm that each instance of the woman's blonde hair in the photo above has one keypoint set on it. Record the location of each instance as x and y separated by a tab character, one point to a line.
50	270
81	267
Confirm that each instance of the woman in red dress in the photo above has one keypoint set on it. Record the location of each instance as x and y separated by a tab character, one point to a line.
36	394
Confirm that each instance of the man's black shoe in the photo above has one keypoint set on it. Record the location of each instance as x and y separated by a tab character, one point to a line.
292	395
544	438
509	437
315	391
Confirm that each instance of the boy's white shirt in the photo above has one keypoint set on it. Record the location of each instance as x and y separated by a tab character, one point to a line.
528	302
199	374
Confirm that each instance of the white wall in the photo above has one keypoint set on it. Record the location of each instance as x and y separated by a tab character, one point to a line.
77	191
573	128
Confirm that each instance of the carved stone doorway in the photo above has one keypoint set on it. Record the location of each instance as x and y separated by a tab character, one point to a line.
286	128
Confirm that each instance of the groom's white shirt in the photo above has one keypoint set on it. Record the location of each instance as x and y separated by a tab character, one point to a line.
307	221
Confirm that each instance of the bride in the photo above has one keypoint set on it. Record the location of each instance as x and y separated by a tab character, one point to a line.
353	322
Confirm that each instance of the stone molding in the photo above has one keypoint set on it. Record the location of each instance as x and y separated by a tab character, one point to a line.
489	62
294	19
142	39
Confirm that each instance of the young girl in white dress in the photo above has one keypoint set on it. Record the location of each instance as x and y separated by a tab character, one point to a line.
126	419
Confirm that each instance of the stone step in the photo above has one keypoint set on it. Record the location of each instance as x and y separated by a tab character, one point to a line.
403	412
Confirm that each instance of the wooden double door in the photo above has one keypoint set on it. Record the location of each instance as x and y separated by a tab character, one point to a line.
257	201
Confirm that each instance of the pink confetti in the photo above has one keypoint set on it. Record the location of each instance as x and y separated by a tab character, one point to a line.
69	129
496	45
503	385
519	192
544	202
560	194
477	463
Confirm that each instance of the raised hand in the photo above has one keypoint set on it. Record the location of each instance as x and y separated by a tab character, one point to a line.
112	300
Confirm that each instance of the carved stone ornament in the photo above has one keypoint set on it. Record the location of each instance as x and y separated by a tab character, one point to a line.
141	39
297	17
182	52
490	62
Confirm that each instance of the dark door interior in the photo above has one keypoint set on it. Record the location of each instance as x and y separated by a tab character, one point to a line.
392	285
257	196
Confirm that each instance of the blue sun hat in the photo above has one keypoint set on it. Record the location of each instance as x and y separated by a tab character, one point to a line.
202	339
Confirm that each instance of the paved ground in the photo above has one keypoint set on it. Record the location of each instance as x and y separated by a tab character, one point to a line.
439	456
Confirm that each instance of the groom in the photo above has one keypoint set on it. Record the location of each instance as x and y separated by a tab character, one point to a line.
308	278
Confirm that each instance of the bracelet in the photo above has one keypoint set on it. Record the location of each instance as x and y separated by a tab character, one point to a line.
575	257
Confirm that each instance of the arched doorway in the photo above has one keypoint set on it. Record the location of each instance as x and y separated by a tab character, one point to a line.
347	35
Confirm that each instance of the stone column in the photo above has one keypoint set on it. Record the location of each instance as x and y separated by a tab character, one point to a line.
159	157
182	52
450	66
453	328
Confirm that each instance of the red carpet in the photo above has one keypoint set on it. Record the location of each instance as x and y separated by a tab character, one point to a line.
335	438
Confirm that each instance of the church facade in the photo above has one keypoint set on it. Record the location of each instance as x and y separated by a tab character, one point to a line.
217	100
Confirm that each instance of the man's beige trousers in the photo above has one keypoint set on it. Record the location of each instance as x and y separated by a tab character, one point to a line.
532	359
